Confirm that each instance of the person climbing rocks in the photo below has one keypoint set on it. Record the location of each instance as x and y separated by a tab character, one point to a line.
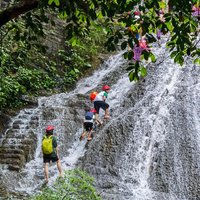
88	124
50	152
96	121
100	102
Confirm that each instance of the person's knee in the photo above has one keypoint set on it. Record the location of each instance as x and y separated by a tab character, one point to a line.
46	164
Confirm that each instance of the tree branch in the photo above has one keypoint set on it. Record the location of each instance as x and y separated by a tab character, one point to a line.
15	11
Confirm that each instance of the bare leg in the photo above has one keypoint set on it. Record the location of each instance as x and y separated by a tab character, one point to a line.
59	167
106	114
89	135
46	172
83	135
97	119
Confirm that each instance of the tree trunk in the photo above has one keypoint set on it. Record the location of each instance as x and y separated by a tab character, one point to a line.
15	11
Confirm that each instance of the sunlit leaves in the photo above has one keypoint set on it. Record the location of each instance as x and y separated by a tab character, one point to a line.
197	61
122	27
162	4
180	25
153	58
57	2
136	71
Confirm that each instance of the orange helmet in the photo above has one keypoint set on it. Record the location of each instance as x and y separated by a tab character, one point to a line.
105	87
50	128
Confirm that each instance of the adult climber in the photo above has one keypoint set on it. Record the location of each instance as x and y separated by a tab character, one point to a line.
100	102
50	152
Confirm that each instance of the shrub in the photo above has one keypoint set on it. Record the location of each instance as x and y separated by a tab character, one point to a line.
75	185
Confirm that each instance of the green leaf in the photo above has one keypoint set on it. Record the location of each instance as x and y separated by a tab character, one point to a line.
179	58
57	2
76	70
143	71
131	76
153	58
161	4
50	2
169	26
146	55
130	55
173	54
123	45
197	61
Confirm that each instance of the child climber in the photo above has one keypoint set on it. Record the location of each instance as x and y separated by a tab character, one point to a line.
88	124
99	102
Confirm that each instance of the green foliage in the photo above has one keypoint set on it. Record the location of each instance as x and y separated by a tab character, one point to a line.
33	79
136	71
178	22
75	184
10	91
122	26
87	23
25	61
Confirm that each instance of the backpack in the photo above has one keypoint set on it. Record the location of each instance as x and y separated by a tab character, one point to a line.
47	145
93	95
89	115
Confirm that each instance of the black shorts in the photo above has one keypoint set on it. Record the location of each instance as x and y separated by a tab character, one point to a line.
48	159
100	104
88	126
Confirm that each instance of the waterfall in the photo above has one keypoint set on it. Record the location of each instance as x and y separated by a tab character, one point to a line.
53	110
148	150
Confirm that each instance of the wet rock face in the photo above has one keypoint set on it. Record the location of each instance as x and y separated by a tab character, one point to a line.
69	117
4	120
153	143
19	143
16	149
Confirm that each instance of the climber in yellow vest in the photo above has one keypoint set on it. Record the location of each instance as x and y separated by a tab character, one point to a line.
50	152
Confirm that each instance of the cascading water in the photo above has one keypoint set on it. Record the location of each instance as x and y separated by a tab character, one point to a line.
148	150
151	151
58	111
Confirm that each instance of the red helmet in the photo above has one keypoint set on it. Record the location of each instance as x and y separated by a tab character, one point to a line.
93	110
50	128
105	87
